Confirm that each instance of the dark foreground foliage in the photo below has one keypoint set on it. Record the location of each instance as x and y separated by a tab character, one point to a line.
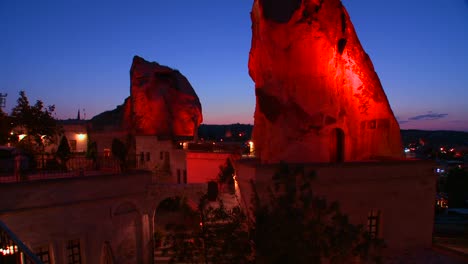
291	225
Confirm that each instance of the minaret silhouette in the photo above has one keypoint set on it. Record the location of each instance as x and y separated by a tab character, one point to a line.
78	117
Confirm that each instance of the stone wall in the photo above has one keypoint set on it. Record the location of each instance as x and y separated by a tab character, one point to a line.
101	211
205	166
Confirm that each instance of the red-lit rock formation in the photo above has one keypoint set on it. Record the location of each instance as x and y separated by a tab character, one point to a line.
318	96
162	102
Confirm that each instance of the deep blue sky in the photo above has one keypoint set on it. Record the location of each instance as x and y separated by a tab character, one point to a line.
77	54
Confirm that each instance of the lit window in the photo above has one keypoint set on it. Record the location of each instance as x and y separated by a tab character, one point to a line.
107	152
74	252
373	222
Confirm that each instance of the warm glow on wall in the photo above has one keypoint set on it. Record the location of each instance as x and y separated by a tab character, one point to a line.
81	136
251	147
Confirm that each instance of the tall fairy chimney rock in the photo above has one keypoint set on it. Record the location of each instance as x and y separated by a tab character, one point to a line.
162	102
318	96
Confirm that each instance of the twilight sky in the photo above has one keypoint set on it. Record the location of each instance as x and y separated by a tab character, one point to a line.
77	54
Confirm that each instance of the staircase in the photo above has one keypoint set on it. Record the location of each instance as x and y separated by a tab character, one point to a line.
12	250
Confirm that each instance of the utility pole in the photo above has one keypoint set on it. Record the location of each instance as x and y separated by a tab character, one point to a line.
3	100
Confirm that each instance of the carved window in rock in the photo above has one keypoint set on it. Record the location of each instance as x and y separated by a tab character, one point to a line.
148	156
178	176
107	152
185	176
74	251
372	124
161	155
337	145
43	253
373	223
142	157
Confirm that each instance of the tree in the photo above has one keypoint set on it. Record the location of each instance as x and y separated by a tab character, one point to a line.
222	237
457	186
92	152
226	173
5	128
295	226
226	176
35	121
119	151
63	152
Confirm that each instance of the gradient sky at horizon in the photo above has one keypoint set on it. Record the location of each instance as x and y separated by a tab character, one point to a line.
77	54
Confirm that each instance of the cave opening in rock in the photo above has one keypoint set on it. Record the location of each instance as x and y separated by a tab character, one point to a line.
337	145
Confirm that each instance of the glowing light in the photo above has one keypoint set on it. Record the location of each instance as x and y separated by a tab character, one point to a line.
81	136
251	147
21	136
9	250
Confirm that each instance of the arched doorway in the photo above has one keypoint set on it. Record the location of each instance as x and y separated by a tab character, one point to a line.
337	145
127	236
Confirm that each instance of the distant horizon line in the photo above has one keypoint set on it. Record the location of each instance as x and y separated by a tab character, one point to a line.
228	124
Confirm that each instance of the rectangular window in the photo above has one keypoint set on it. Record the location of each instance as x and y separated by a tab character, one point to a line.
185	176
161	155
178	175
74	251
72	145
107	152
142	156
148	157
373	222
43	254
